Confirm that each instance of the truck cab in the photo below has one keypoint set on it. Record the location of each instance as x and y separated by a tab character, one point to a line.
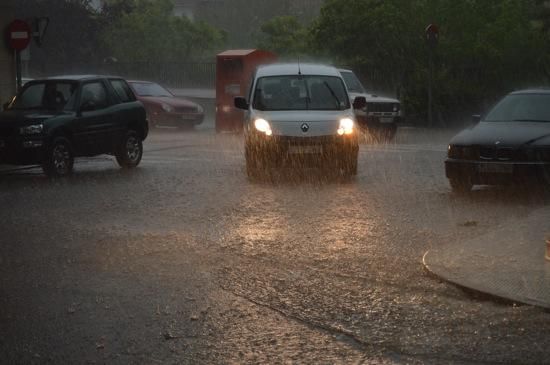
380	115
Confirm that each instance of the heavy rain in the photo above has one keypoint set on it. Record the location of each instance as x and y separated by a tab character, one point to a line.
250	181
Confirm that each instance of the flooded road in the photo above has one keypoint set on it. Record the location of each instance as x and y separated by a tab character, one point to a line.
185	260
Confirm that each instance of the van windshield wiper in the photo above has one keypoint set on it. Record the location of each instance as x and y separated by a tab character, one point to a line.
333	95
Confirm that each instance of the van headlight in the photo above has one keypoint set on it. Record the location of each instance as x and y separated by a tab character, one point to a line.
263	126
31	129
346	126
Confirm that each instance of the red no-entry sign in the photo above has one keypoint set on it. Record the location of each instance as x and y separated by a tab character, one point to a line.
19	35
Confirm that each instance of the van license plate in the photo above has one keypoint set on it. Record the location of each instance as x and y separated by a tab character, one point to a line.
495	168
386	120
304	149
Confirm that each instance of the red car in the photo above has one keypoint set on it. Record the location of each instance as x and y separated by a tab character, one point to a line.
165	109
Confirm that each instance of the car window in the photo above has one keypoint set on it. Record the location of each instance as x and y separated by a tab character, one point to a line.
94	96
122	90
31	97
352	82
522	107
47	95
300	93
150	89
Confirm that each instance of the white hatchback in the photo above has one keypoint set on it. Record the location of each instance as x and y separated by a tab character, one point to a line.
299	113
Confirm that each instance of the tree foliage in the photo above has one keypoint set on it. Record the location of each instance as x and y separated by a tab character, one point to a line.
486	48
150	32
285	36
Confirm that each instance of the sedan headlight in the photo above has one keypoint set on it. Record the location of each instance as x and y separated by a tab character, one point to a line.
167	108
454	151
32	129
346	126
263	126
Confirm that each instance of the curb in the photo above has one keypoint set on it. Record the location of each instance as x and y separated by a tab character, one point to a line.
497	297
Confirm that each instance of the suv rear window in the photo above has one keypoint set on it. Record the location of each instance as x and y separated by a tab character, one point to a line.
123	91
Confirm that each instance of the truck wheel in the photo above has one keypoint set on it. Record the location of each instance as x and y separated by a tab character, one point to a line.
461	186
390	132
130	150
59	160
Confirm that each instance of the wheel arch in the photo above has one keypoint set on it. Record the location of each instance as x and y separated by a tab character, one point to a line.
141	129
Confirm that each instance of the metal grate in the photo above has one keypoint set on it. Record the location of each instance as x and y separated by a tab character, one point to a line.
380	107
6	132
505	154
487	153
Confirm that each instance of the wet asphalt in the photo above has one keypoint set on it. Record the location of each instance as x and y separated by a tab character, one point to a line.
185	260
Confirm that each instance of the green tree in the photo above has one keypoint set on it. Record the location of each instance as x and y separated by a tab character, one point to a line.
150	32
486	48
285	36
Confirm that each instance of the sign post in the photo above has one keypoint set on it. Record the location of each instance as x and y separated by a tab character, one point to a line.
432	39
19	37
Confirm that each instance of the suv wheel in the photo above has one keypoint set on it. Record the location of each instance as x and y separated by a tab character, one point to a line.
59	160
130	150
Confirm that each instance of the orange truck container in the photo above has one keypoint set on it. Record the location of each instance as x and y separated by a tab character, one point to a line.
234	70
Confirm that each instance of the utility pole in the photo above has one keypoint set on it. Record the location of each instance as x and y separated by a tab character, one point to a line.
7	64
432	39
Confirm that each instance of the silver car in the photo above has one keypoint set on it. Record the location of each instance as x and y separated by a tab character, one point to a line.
299	113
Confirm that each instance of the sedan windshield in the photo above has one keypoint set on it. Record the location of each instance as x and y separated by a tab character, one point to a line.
150	89
47	95
522	108
300	93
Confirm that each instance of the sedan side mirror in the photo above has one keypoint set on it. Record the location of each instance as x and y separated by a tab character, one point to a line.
476	118
359	102
241	103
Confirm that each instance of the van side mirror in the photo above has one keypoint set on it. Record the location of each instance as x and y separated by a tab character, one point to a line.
359	102
476	118
241	103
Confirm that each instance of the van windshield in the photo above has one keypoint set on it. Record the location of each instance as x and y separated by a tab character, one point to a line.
299	92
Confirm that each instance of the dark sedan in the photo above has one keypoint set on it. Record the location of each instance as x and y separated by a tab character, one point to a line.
510	144
165	109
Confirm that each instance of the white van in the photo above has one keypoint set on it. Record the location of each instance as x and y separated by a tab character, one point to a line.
299	113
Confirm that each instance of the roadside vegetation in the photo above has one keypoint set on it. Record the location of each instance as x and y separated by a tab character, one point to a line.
486	48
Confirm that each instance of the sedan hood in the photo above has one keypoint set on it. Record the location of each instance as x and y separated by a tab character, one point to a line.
373	98
504	134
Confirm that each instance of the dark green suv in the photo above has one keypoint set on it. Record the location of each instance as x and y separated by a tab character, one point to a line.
54	120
